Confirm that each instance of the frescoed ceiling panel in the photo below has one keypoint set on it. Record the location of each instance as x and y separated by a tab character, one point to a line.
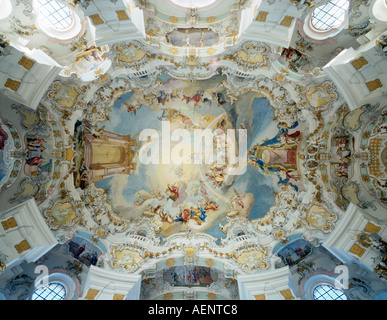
190	196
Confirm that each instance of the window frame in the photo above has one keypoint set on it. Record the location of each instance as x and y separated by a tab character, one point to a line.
59	33
379	10
184	7
56	277
44	7
327	292
330	15
6	9
45	288
317	34
321	279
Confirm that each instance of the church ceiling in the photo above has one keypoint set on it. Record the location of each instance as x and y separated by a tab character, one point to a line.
263	198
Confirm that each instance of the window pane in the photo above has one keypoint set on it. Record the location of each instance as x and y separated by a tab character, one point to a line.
53	291
330	15
55	14
327	292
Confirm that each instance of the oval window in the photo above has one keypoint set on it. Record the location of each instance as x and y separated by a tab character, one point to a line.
53	291
54	14
330	15
327	292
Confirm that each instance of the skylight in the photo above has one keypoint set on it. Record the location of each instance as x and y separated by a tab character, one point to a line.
193	3
327	292
330	15
54	14
54	291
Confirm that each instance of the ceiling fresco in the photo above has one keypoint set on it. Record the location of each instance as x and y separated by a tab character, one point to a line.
188	195
87	169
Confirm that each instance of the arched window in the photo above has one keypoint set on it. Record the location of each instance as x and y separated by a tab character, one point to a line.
6	9
327	20
56	19
54	14
193	3
330	15
328	292
54	286
53	291
379	10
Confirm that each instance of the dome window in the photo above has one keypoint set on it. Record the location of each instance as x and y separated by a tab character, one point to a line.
56	19
6	9
53	291
54	14
327	20
330	15
328	292
193	3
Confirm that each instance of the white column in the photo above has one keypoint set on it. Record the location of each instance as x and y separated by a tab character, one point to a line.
360	75
343	241
113	23
24	80
267	285
103	284
272	23
24	234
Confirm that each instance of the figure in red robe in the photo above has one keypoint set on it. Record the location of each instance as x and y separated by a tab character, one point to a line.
173	192
3	138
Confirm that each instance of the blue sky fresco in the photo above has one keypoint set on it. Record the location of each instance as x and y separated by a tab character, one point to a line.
251	112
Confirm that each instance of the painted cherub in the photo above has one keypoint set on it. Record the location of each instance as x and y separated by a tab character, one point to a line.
173	192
